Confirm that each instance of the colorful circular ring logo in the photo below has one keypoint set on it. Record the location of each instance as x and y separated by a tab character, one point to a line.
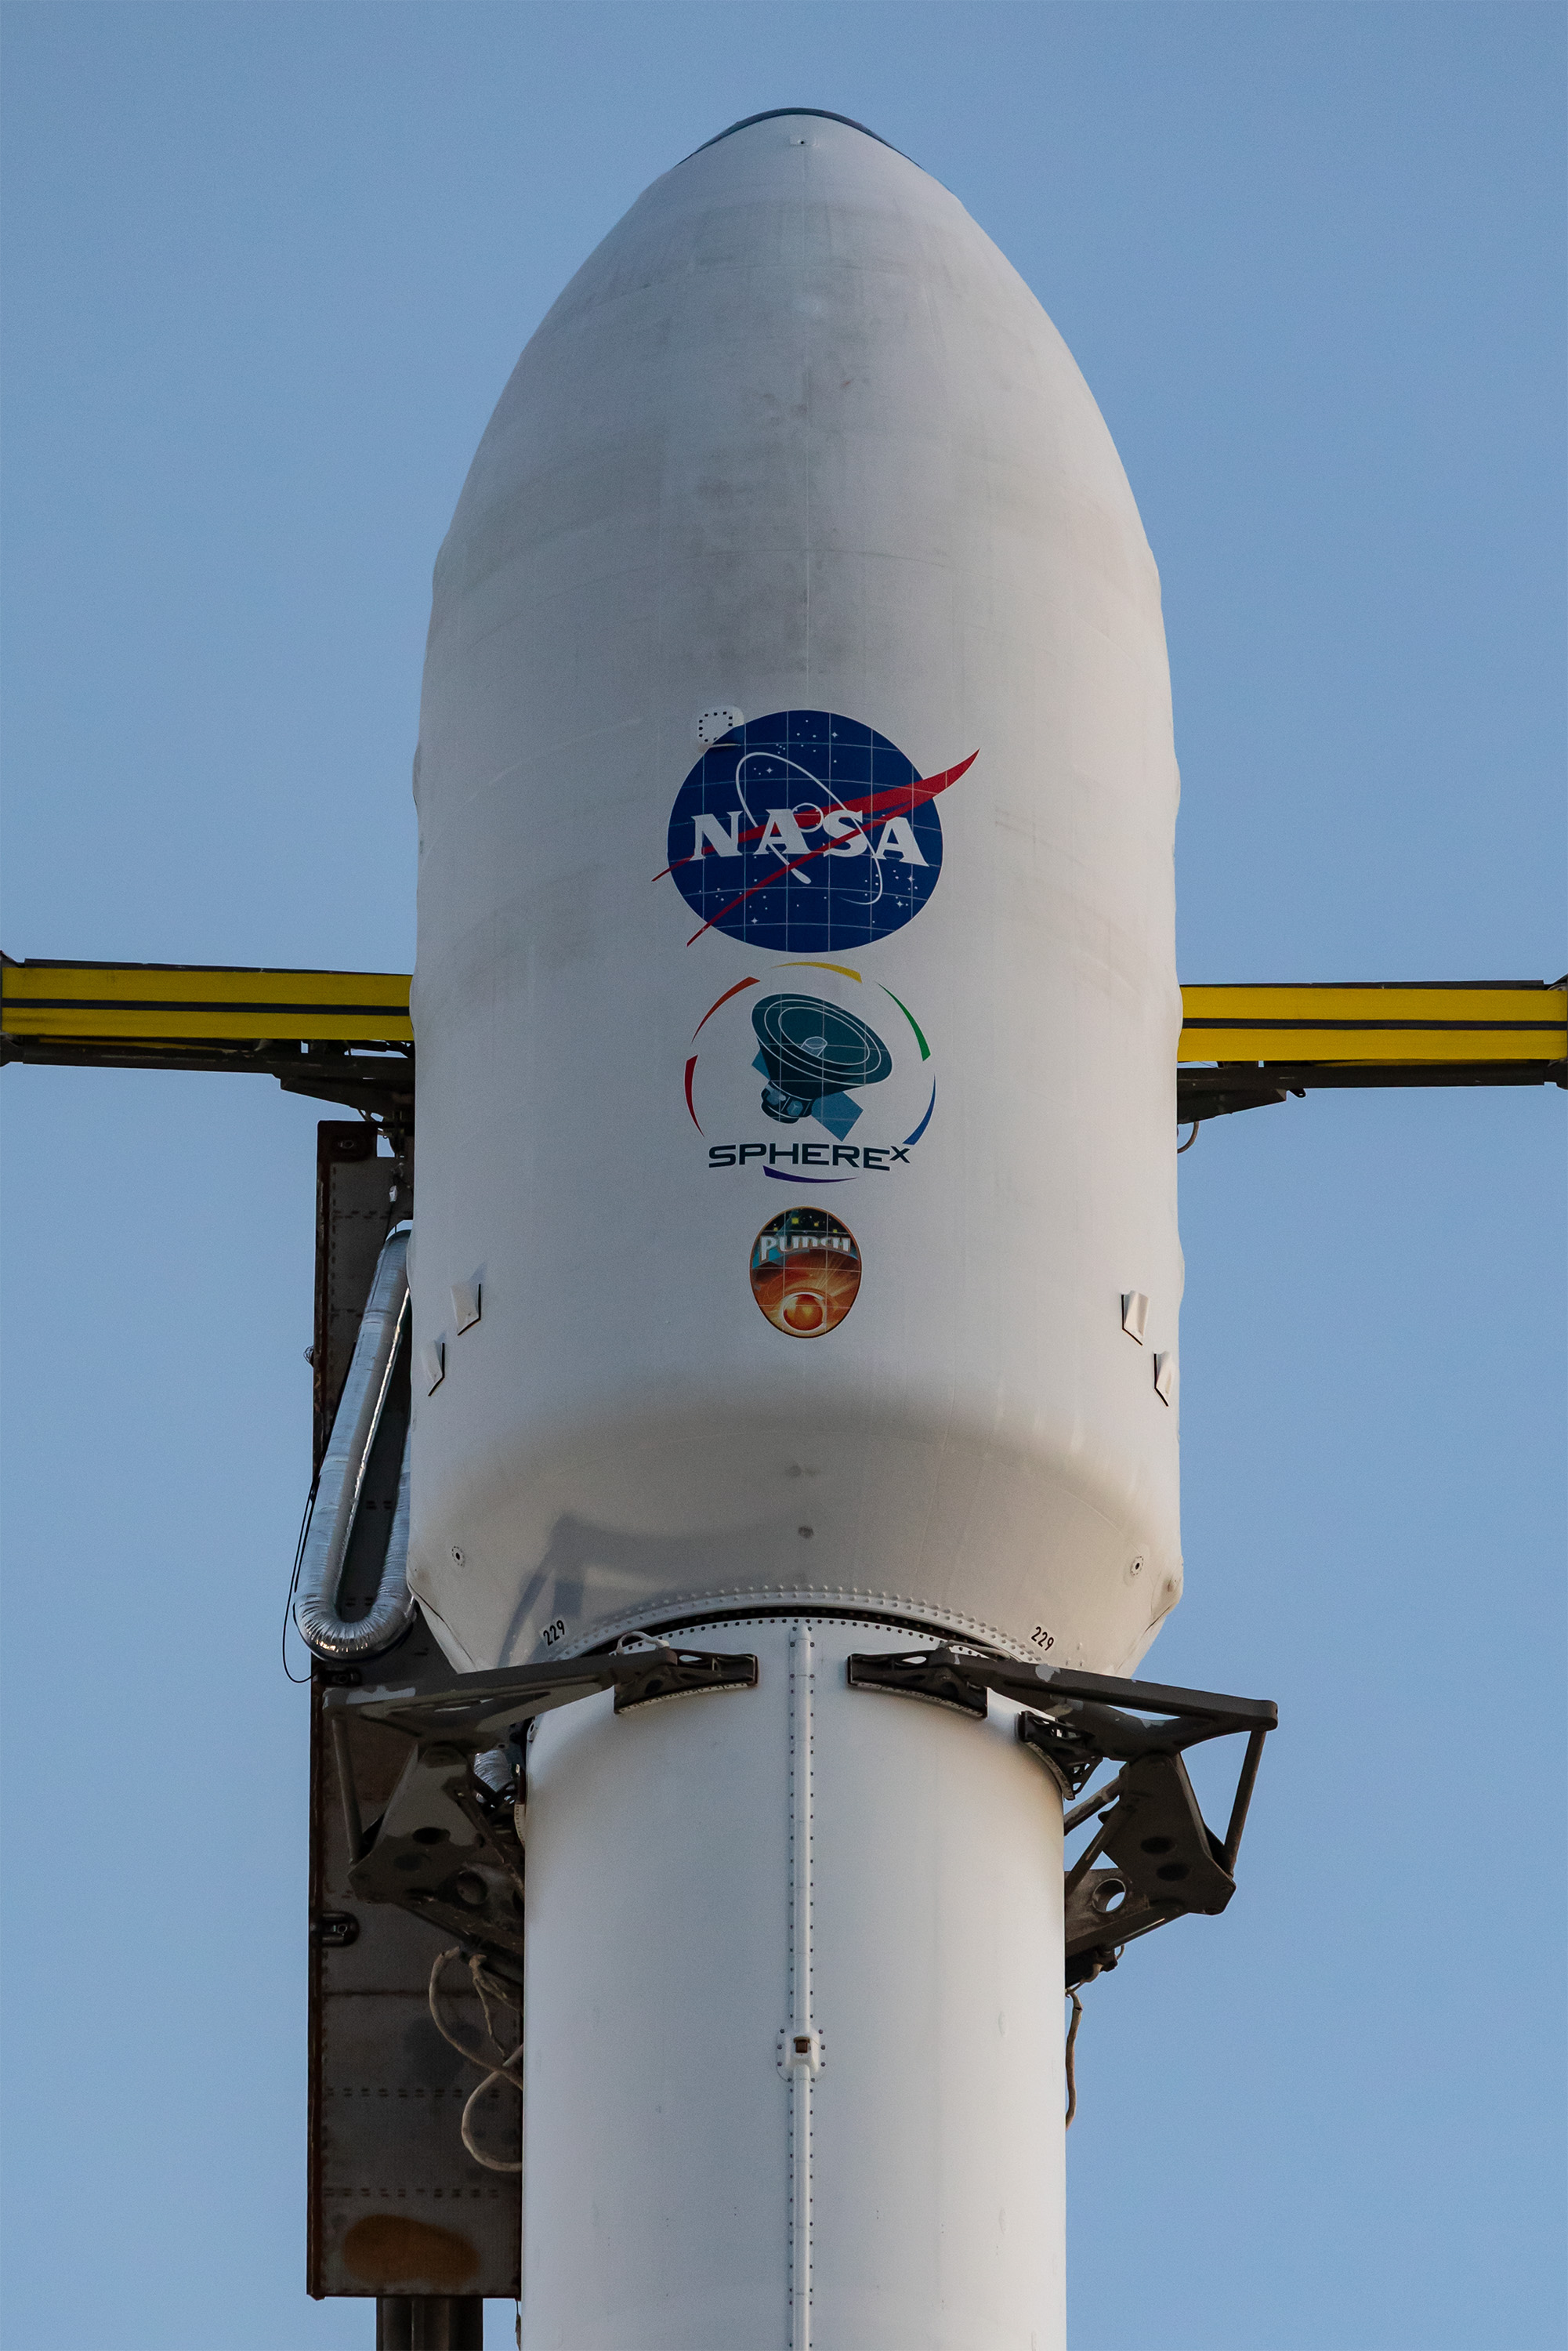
805	1271
824	1061
807	833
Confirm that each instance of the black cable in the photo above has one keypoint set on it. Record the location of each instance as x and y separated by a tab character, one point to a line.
298	1681
1072	2074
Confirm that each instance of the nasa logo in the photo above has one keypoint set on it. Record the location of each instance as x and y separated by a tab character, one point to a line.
806	833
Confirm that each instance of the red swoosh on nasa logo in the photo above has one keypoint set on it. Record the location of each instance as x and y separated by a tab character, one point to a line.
894	800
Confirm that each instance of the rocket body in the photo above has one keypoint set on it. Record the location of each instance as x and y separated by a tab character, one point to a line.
713	1885
796	1013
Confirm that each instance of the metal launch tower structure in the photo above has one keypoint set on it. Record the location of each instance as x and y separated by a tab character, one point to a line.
746	1446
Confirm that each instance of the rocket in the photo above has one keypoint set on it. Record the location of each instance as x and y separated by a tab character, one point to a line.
794	1272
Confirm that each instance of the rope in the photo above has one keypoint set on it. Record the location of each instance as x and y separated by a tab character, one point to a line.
1192	1138
1071	2073
489	1989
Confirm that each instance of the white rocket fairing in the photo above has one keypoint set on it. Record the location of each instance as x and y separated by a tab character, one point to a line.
796	440
797	1011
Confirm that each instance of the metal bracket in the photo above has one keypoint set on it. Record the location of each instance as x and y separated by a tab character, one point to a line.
936	1675
448	1845
1168	1862
335	1929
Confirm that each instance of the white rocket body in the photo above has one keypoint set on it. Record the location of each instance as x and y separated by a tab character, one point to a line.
709	1884
798	1092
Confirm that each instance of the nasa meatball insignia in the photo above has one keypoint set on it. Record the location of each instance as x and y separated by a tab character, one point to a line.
807	833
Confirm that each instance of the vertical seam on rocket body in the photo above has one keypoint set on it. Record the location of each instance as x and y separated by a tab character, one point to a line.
800	2024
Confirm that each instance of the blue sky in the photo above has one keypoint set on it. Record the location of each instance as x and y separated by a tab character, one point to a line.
266	270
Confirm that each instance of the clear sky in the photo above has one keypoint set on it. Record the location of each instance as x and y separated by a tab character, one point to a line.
267	268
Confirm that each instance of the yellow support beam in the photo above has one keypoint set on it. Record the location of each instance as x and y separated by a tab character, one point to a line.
1341	1025
347	1036
146	1004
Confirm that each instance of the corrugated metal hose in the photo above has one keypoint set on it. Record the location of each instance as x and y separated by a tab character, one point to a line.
341	1482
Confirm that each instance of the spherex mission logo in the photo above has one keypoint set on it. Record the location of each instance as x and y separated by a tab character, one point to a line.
806	833
809	1072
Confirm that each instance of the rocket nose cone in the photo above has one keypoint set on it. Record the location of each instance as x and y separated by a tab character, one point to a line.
795	113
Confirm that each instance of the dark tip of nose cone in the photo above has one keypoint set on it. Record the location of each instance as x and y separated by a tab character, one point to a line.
773	114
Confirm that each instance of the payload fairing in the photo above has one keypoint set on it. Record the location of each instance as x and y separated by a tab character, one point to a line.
796	637
797	445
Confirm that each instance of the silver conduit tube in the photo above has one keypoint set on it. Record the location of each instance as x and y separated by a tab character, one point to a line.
354	1426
